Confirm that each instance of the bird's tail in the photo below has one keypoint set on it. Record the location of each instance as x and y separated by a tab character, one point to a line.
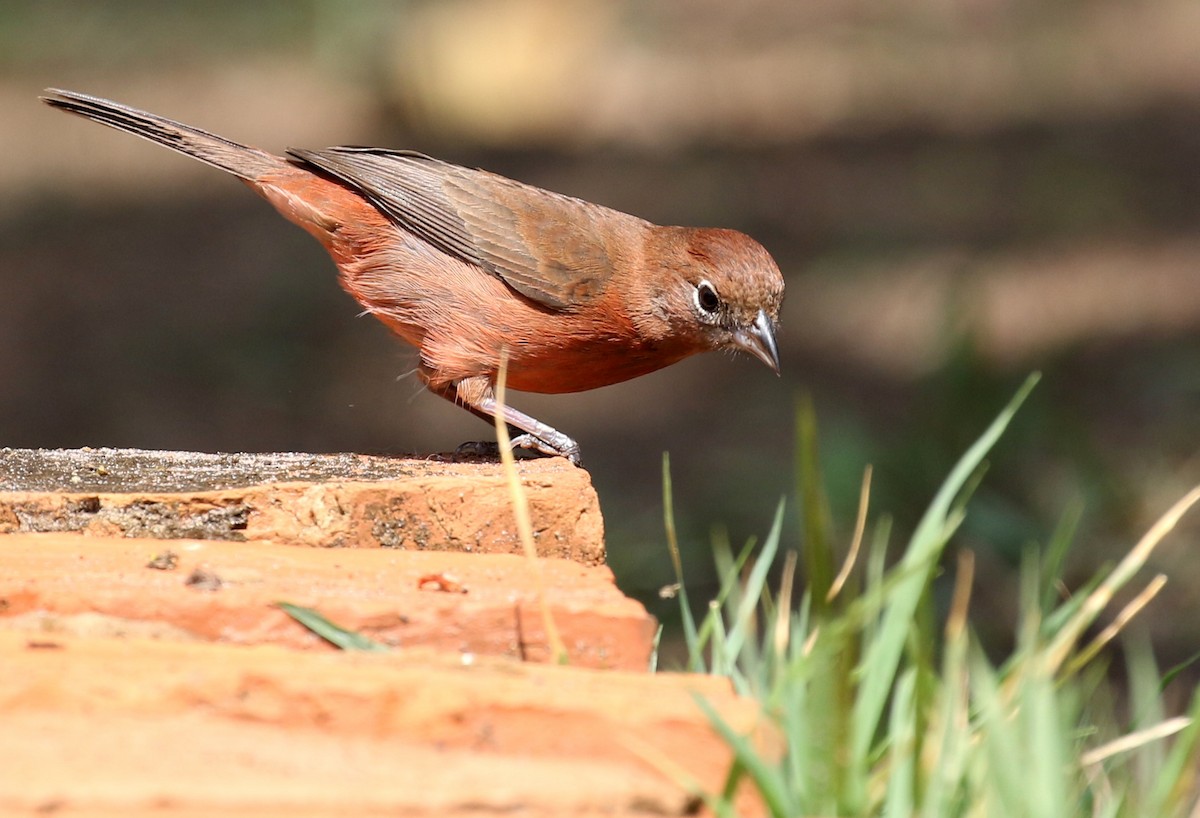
240	160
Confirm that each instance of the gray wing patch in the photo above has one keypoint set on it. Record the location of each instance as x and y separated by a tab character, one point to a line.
404	185
484	219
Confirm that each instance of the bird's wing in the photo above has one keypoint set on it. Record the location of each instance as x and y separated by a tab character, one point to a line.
554	249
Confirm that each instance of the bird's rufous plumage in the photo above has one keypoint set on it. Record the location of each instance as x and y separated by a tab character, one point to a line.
464	265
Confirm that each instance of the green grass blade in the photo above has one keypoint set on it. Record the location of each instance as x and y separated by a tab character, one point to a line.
1045	757
754	588
691	638
1175	670
1146	703
899	802
814	508
1003	780
1056	553
335	635
883	654
950	748
767	777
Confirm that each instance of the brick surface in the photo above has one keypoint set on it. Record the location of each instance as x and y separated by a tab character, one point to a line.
337	500
132	726
148	670
223	591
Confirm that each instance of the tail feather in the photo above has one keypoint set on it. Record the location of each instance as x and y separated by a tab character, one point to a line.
241	160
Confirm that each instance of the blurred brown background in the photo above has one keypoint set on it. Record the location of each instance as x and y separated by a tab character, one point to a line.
959	193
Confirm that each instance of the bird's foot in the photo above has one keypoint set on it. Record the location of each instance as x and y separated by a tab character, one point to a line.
491	449
570	449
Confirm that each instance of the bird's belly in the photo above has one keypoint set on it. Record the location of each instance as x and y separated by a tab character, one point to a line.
584	364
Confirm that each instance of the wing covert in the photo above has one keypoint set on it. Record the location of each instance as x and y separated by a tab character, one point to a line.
553	249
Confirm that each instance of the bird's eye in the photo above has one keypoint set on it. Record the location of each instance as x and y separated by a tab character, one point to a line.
707	299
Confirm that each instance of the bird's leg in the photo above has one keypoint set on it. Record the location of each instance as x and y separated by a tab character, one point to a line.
476	396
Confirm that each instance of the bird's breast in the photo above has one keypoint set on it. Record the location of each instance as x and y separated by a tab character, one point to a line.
549	351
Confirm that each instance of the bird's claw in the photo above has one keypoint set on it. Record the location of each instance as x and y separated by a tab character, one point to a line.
535	443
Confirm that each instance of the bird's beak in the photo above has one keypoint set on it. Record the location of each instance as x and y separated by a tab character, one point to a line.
759	340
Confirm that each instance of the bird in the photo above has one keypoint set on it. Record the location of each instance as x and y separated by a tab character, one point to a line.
471	267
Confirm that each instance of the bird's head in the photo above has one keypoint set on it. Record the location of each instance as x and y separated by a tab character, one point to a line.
720	290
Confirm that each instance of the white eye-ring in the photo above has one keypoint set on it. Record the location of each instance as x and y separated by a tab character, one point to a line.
707	300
